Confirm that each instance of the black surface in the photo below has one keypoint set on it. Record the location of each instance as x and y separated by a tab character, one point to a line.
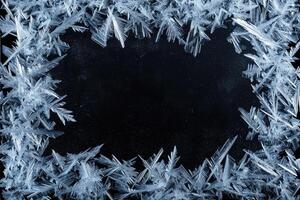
151	95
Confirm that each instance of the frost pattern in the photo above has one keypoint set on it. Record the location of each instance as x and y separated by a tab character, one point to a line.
29	100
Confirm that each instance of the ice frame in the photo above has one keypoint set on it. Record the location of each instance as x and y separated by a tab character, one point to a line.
28	100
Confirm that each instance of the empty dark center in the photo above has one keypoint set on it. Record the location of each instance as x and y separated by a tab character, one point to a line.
151	95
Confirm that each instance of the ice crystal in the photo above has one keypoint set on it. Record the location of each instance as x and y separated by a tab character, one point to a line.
29	100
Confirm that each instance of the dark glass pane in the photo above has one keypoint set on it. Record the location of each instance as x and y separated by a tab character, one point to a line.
151	95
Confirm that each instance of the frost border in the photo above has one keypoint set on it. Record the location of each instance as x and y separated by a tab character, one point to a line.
28	100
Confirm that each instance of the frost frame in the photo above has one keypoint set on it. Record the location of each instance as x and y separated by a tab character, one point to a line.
29	99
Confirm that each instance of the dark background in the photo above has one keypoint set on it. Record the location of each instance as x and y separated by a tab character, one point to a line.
151	95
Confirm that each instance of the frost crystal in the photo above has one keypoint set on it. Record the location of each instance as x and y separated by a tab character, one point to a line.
29	100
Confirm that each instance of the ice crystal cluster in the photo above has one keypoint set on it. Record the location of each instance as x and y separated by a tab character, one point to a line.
29	101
